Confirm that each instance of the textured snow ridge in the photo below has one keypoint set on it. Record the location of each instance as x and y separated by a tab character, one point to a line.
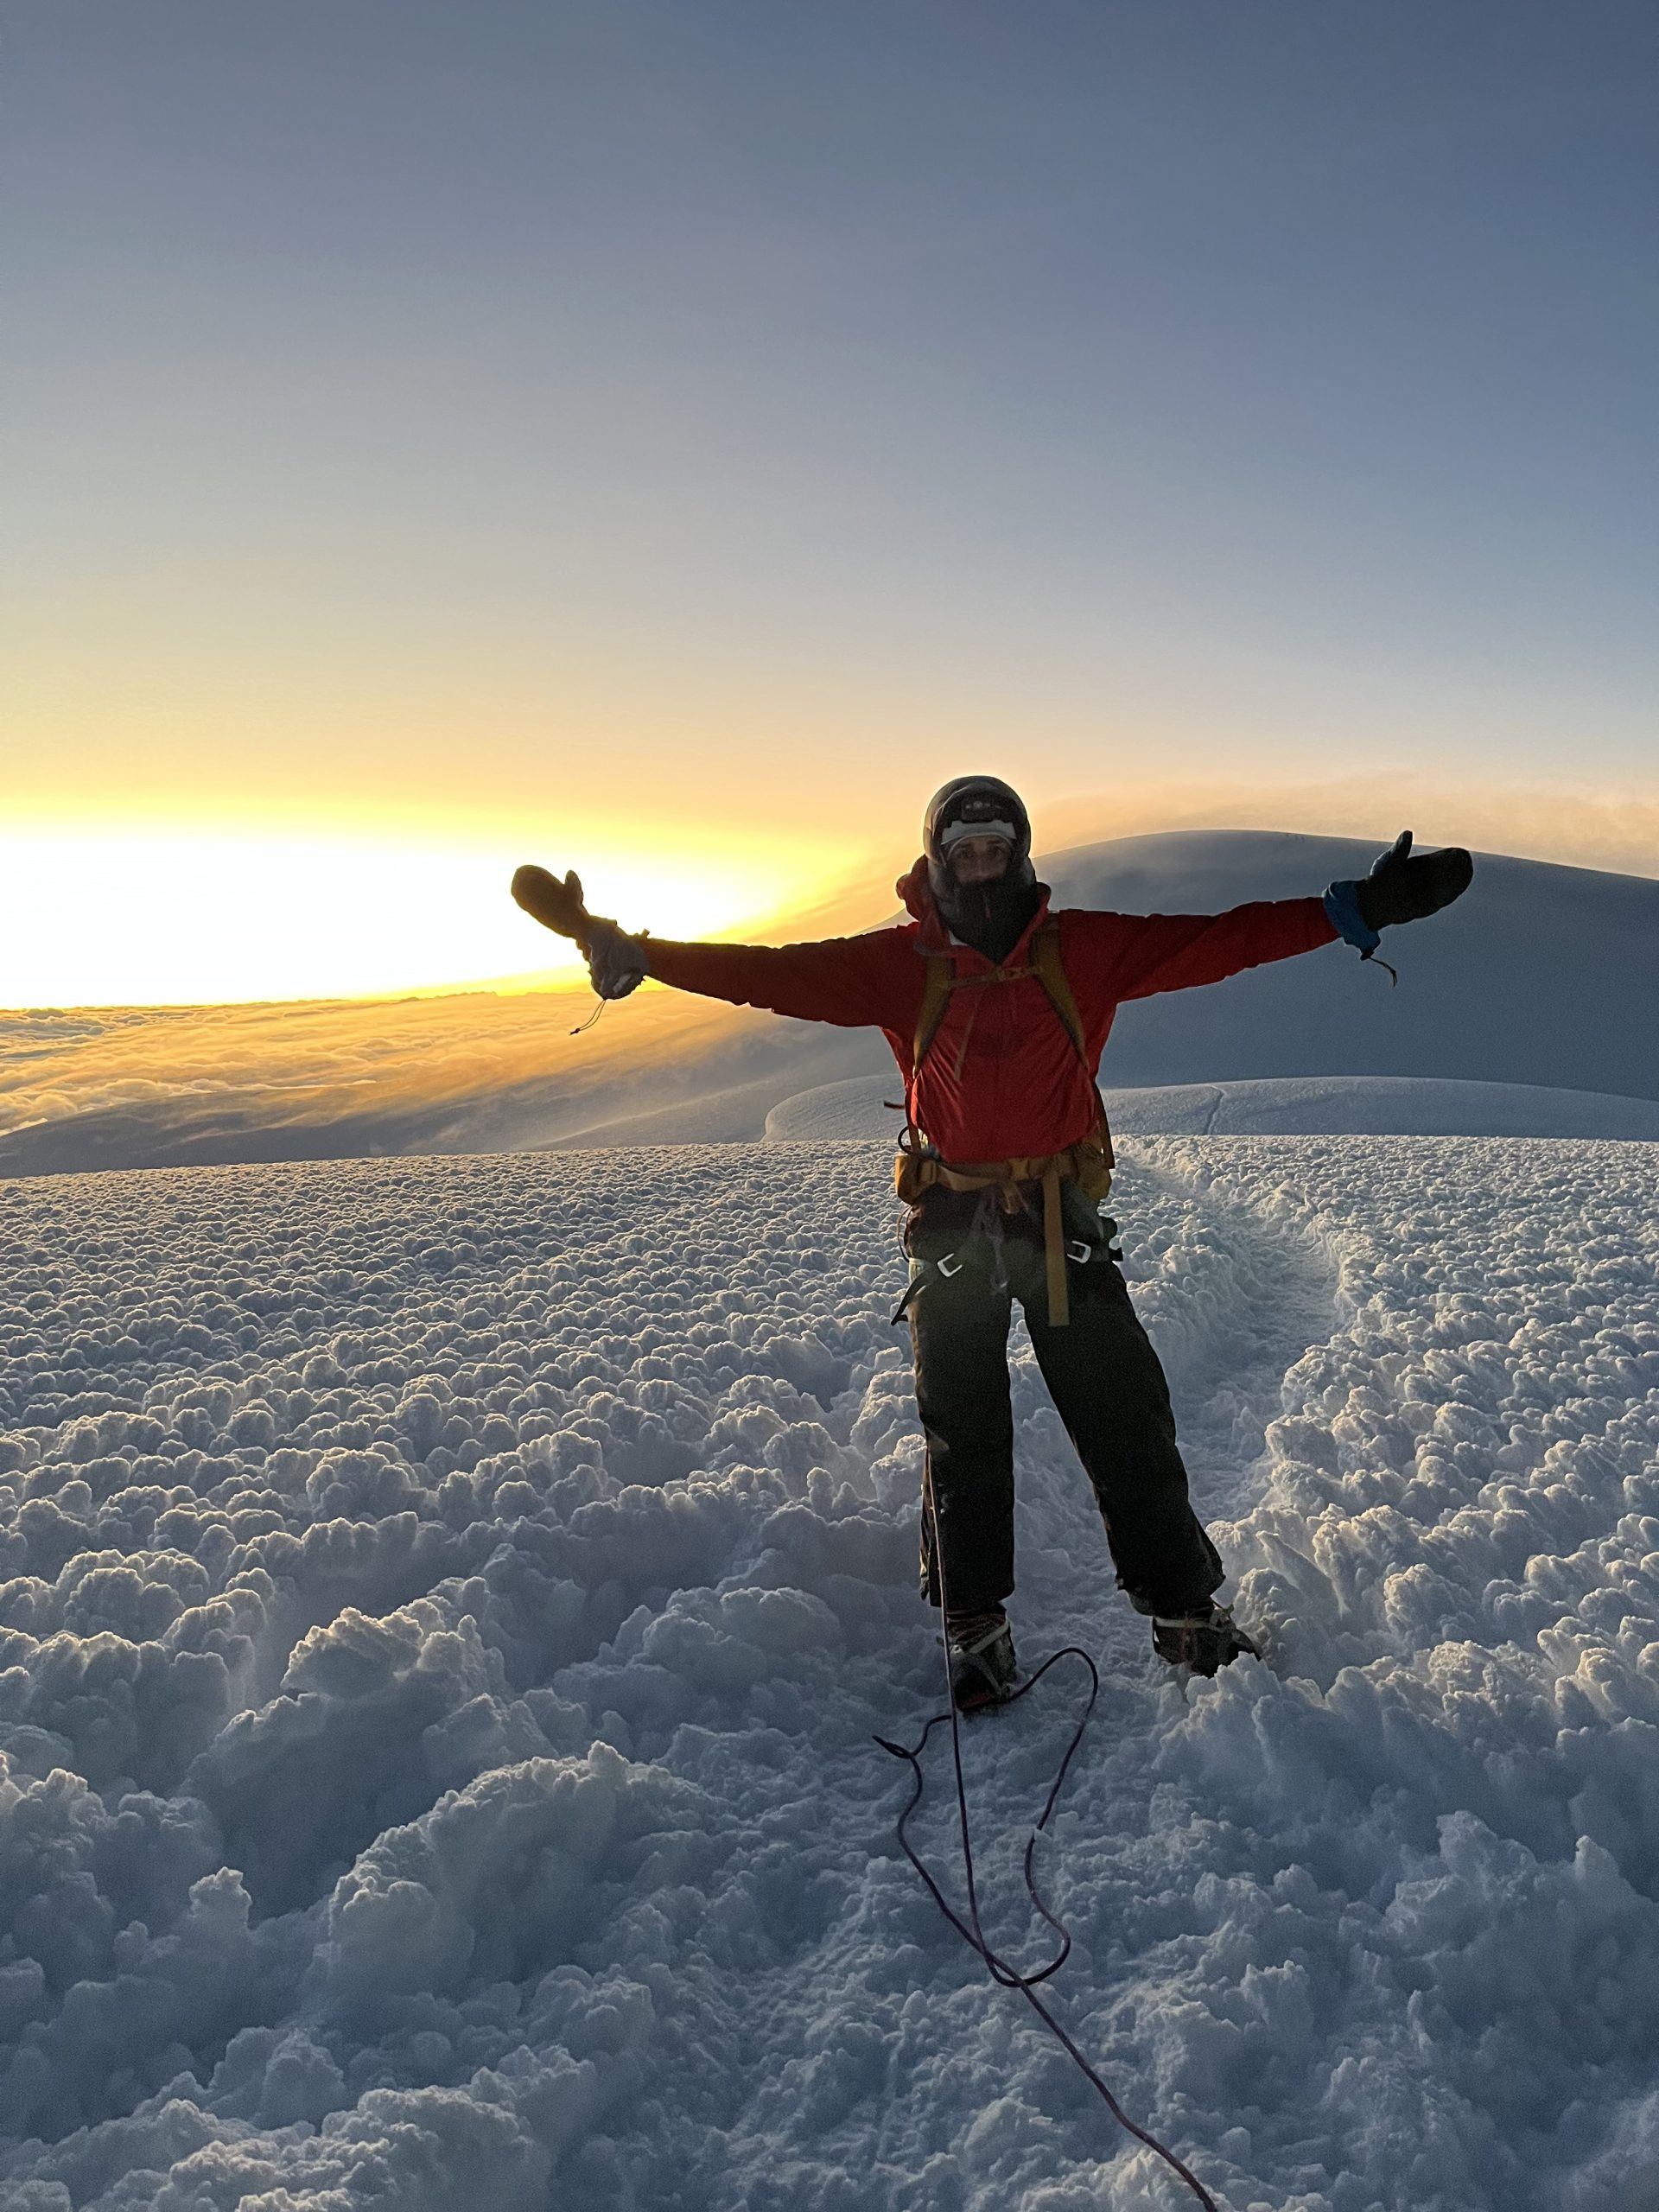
1301	1105
444	1607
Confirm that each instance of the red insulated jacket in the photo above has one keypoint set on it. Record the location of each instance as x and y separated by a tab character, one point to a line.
1001	1079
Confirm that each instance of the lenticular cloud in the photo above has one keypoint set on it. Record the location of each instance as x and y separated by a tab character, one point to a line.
445	1606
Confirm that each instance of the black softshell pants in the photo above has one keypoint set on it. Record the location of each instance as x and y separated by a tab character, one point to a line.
1108	1388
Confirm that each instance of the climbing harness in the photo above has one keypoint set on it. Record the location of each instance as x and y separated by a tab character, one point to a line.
1088	1163
972	1929
987	1224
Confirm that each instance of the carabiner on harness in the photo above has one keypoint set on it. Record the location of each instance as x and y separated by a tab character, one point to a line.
950	1264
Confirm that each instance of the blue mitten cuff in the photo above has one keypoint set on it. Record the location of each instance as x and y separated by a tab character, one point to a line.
1342	907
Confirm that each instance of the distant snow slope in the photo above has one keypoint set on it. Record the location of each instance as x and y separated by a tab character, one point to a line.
450	1604
1330	1105
1539	975
1542	975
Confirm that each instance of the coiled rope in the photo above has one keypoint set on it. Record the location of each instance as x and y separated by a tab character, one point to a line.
972	1929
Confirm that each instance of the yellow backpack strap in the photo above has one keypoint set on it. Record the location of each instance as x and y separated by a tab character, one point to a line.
1051	971
935	996
941	981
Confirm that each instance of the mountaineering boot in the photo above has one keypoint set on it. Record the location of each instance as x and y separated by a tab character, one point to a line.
1202	1642
982	1665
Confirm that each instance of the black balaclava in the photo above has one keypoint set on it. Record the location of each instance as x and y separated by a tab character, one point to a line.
988	916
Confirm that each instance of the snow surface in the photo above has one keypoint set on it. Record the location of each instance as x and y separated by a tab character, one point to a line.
1332	1105
450	1601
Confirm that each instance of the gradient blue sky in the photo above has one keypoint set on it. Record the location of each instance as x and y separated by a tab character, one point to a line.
629	425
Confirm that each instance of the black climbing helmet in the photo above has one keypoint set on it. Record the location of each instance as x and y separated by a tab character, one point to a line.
976	806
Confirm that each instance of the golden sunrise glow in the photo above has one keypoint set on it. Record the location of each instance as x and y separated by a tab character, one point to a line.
205	914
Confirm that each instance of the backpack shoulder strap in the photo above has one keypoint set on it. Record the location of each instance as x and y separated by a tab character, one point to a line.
1049	969
936	987
1050	972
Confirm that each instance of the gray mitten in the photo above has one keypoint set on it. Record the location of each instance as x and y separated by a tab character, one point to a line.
616	962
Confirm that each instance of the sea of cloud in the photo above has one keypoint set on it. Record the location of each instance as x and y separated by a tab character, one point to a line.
445	1606
468	1071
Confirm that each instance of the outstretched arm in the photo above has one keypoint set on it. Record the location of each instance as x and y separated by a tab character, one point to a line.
1136	955
847	981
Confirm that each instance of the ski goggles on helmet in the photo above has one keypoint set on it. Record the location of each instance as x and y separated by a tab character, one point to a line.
977	814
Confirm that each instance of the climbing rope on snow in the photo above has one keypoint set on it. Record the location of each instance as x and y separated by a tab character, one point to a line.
972	1930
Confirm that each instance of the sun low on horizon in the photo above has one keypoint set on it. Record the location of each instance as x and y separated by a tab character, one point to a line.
183	914
181	910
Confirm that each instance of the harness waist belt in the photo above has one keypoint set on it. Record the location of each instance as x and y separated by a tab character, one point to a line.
1087	1162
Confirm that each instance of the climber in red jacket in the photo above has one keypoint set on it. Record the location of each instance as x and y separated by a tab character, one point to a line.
997	1012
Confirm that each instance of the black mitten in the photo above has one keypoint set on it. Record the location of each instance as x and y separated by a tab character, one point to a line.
1401	887
556	905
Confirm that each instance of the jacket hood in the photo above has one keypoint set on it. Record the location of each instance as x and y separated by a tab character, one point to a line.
916	891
